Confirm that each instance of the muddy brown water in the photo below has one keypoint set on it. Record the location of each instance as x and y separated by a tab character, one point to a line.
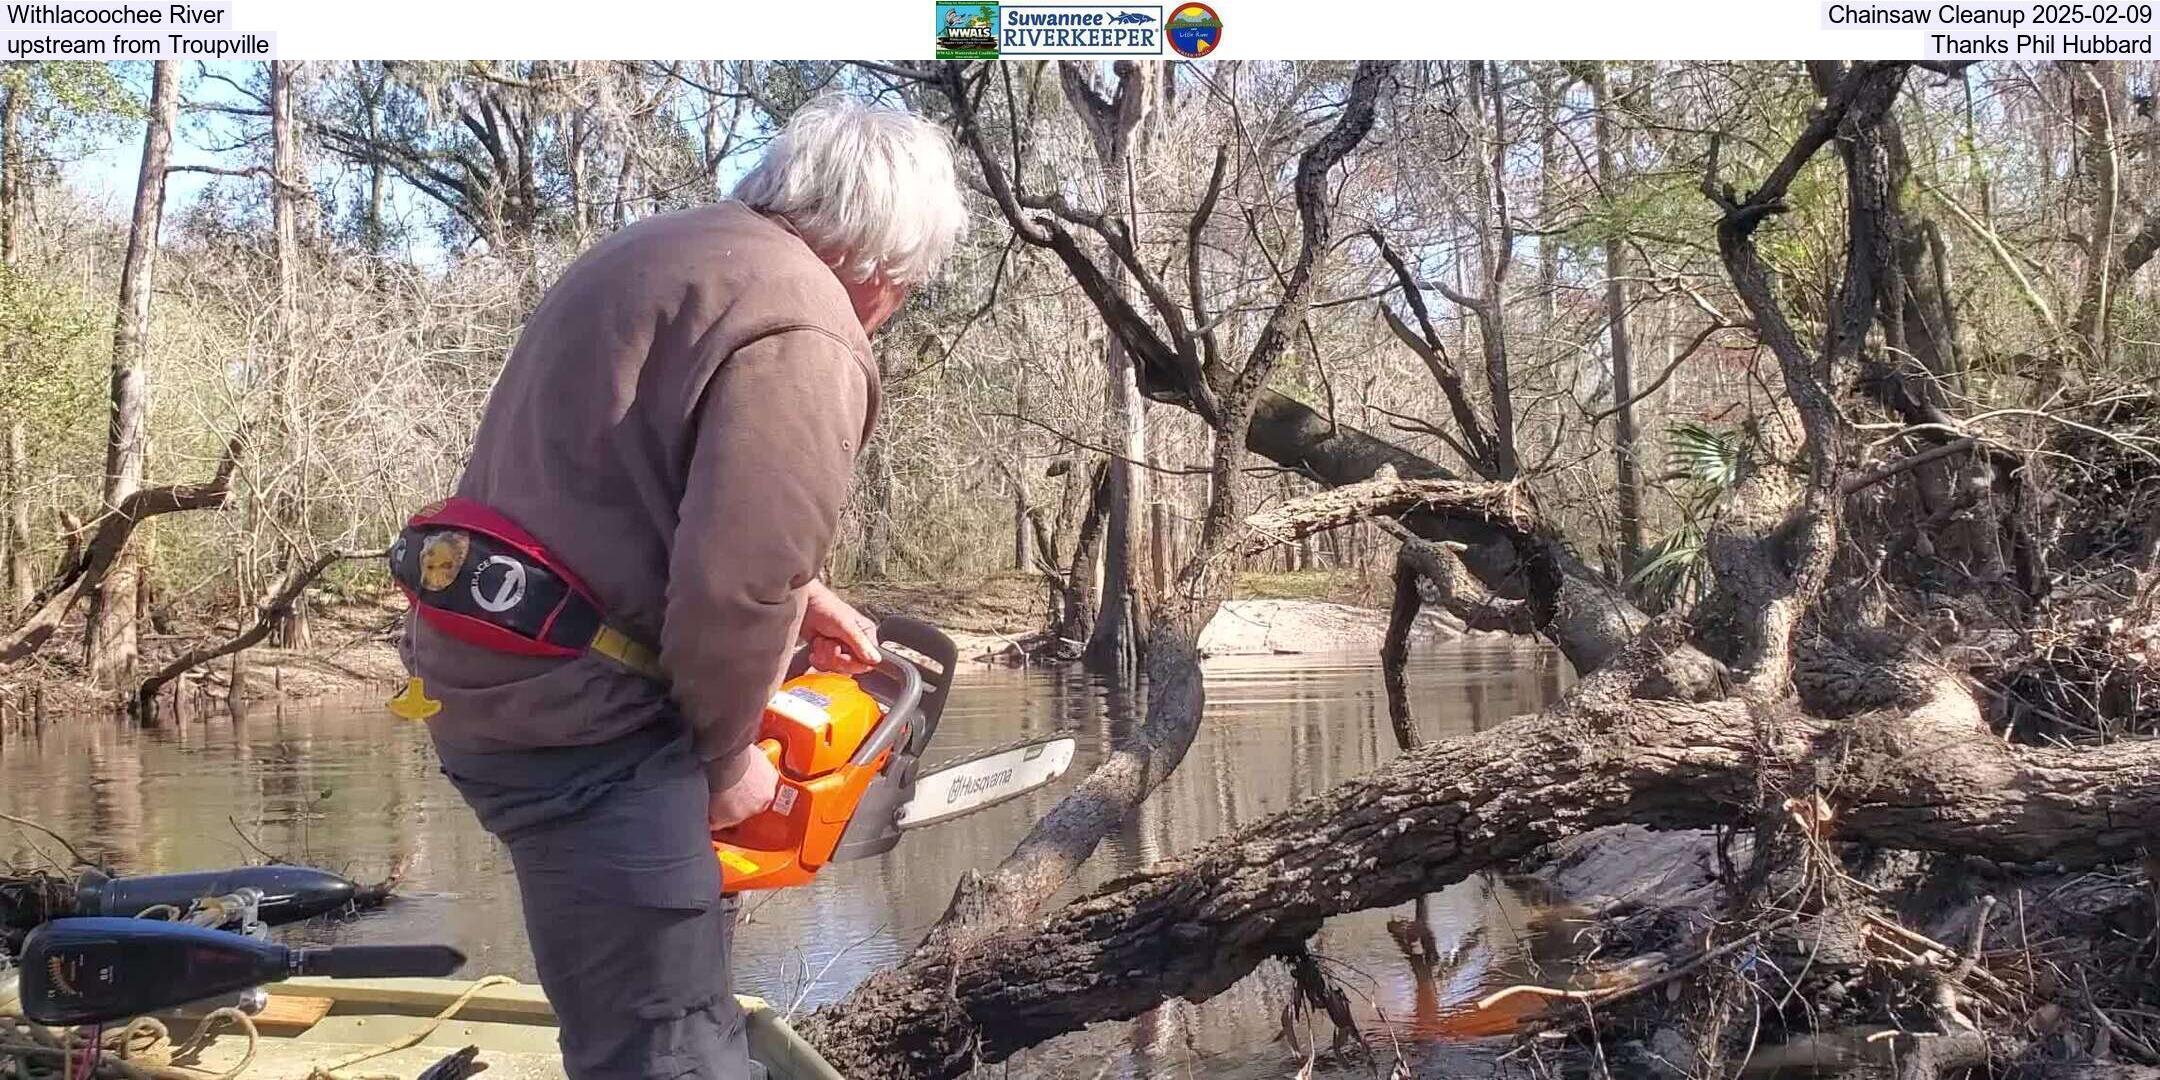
354	789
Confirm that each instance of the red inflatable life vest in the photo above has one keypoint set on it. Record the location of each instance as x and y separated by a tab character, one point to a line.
478	577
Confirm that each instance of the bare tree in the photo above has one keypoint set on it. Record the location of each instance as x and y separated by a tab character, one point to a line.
989	904
1120	125
1627	484
110	643
20	586
288	199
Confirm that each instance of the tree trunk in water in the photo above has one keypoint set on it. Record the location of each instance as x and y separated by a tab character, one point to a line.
287	180
21	590
1628	493
1395	652
1119	126
1113	646
1081	596
109	643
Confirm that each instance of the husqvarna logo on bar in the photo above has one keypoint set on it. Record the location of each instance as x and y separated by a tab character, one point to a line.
963	786
1080	30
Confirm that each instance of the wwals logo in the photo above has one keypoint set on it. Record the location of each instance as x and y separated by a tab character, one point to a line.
967	31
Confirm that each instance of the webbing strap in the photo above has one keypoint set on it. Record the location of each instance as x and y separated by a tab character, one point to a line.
627	651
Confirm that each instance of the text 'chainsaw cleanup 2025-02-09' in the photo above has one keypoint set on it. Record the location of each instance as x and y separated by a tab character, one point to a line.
1989	28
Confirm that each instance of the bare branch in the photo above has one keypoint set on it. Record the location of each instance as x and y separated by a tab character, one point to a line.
273	607
109	537
1210	348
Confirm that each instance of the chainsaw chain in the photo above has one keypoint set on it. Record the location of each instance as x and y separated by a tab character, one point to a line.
925	770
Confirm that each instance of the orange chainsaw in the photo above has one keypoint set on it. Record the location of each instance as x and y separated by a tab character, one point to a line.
848	749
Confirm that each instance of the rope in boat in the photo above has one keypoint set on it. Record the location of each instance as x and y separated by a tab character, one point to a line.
143	1049
413	1038
140	1050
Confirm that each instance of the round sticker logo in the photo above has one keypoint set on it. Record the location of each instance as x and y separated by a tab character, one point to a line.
508	591
1195	30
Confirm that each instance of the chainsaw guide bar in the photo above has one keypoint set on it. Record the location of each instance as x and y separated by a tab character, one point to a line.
980	781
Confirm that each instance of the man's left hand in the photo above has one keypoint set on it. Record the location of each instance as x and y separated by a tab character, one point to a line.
841	638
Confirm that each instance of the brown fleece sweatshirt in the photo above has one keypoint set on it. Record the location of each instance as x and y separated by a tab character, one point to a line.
678	424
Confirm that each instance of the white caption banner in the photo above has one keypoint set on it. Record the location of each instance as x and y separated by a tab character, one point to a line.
129	31
1987	29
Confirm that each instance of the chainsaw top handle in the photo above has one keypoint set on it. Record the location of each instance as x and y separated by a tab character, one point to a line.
932	645
907	690
898	685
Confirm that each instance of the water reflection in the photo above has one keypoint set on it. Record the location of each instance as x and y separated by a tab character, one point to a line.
357	790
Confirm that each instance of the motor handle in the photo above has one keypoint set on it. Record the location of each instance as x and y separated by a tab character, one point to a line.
377	961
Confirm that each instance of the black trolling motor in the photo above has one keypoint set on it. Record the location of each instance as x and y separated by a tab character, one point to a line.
94	970
289	893
286	894
246	899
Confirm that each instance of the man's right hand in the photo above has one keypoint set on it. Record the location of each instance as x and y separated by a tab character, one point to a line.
743	785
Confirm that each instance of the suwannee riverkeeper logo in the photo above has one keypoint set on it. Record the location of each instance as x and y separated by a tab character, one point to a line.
989	31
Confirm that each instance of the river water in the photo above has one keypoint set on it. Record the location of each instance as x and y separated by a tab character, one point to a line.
354	789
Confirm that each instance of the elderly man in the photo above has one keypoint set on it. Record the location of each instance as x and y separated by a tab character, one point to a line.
634	552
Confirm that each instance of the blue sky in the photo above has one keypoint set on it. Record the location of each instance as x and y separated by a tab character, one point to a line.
107	173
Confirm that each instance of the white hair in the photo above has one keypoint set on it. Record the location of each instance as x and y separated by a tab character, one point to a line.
871	188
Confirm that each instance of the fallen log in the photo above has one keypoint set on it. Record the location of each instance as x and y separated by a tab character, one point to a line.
273	606
1587	618
1930	778
81	573
1504	506
1460	594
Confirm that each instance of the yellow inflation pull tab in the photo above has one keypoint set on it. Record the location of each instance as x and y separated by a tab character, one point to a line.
412	703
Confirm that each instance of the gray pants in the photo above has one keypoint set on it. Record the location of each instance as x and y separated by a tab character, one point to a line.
628	928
